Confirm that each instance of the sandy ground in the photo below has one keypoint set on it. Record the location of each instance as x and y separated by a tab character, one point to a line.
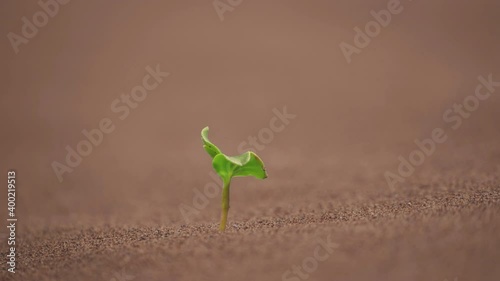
444	231
326	212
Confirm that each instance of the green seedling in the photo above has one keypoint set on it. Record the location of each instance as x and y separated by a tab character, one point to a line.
227	167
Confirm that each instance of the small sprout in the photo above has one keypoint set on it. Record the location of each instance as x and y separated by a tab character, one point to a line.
227	167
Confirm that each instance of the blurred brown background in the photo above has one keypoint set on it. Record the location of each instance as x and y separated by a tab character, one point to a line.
353	120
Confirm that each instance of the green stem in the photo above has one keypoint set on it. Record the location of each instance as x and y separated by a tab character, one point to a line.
225	204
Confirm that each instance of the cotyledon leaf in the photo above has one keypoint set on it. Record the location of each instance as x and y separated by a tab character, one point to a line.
209	147
246	164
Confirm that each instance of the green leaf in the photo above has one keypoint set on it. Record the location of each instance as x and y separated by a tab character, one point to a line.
246	164
209	147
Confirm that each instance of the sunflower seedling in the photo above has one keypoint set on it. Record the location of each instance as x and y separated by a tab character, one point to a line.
227	167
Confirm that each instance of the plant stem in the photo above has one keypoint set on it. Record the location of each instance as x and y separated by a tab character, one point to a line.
225	205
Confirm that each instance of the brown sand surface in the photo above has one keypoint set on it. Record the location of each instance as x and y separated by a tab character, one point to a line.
326	212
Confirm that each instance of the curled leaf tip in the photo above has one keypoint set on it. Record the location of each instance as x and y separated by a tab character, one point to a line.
209	147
